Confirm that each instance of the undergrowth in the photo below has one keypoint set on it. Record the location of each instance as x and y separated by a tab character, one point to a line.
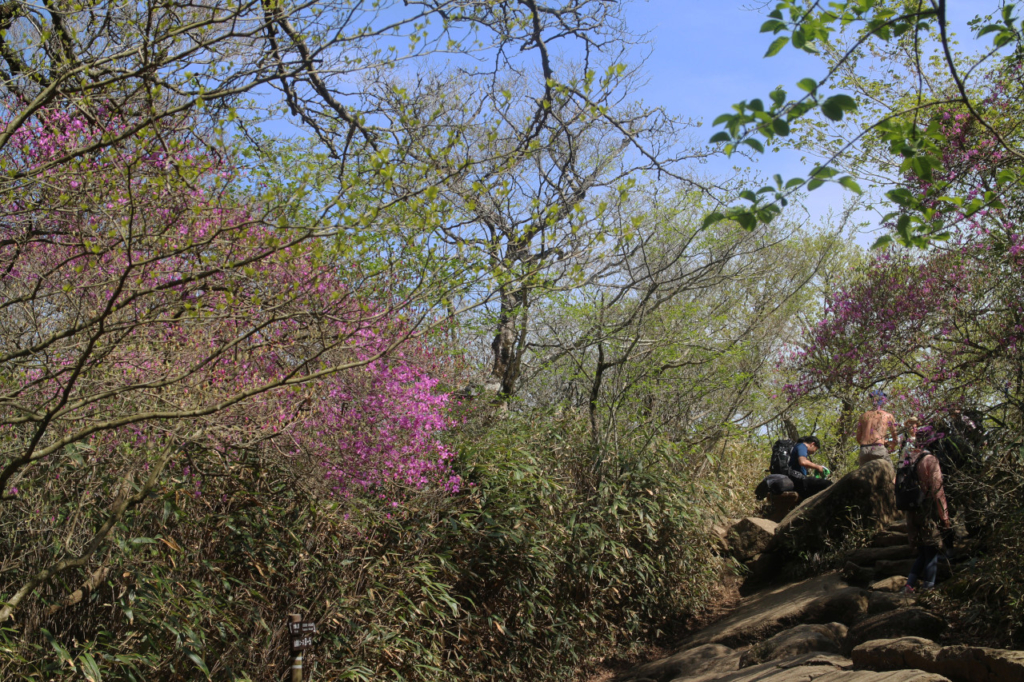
540	563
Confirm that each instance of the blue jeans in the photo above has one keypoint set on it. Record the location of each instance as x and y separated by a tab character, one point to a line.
926	567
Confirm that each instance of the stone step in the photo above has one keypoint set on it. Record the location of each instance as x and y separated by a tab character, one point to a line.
867	556
889	539
885	569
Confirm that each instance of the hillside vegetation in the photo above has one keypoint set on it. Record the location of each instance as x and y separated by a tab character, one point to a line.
465	365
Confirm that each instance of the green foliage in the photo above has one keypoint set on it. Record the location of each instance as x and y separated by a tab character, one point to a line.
907	123
530	560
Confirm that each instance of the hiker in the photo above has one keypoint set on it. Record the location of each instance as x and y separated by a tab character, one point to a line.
876	426
909	439
799	464
927	524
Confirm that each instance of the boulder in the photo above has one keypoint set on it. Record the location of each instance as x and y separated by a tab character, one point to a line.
846	606
862	498
749	537
912	622
883	602
893	583
858	575
895	654
801	639
980	664
709	658
719	535
782	504
764	568
961	663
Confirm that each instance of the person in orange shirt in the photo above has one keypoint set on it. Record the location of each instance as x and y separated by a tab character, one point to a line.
875	427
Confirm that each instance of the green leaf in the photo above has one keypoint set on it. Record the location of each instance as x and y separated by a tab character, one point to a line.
922	167
746	220
794	182
850	184
799	39
844	102
1004	38
200	663
780	127
900	196
903	227
807	84
754	144
711	219
884	240
776	46
722	119
778	96
772	25
831	110
720	137
62	653
90	670
824	172
815	183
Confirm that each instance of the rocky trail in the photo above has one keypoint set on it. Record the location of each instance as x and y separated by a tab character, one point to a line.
849	625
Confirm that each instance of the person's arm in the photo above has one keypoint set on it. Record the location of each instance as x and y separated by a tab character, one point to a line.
894	436
808	464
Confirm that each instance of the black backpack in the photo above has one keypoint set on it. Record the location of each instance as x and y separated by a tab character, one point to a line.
780	457
909	494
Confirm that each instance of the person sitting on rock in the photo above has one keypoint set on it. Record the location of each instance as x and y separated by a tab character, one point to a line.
875	427
800	464
926	525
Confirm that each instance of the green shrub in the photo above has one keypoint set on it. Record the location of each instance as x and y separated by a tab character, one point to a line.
541	561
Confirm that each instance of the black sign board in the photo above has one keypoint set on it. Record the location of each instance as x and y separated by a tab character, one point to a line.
301	635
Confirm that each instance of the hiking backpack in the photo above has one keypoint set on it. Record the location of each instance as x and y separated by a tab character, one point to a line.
780	457
910	495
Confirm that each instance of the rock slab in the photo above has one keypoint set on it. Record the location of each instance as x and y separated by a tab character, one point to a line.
802	639
814	666
959	663
766	613
864	497
914	622
705	659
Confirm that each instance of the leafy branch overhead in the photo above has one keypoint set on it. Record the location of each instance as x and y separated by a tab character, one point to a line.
912	132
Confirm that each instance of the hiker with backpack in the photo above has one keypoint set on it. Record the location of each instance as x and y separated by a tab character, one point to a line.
800	466
788	470
919	492
875	427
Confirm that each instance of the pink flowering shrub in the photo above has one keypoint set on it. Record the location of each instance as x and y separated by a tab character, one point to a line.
158	313
942	326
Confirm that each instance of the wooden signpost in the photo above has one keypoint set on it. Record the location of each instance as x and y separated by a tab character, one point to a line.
300	633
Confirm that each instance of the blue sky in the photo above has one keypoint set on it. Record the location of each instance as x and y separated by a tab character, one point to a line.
707	55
